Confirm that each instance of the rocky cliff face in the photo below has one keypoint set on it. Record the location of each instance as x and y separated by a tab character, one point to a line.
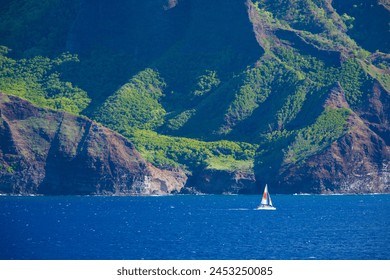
358	162
211	181
48	152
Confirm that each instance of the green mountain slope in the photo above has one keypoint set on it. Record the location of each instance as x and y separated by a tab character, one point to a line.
243	87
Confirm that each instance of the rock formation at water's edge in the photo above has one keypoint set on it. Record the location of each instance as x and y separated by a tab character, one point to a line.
55	153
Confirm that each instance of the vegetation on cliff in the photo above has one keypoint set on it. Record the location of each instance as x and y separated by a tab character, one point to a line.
238	86
39	80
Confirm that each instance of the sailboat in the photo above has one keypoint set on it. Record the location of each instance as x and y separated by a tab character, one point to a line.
266	202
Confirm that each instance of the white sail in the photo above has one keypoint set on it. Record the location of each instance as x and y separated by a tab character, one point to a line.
266	202
270	200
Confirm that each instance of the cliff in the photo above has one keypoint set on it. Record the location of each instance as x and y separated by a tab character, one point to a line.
211	181
55	153
237	93
357	162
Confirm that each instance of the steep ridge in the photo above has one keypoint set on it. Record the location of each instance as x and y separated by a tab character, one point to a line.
53	153
238	93
357	162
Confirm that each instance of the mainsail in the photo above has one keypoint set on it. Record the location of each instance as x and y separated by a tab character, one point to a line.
266	201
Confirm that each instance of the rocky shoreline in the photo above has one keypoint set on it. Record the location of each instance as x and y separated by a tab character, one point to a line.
45	152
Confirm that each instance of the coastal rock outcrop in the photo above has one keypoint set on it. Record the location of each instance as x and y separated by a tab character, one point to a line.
211	181
358	162
54	153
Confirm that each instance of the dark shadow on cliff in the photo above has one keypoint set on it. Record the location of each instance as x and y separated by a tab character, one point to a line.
67	173
116	40
370	21
219	37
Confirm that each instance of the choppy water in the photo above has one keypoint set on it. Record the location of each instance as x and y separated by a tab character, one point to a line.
195	227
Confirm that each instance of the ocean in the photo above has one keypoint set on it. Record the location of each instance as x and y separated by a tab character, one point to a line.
185	227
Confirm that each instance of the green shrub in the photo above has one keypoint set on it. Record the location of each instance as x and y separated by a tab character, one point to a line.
37	80
291	107
206	83
191	154
180	120
354	81
135	105
329	126
254	90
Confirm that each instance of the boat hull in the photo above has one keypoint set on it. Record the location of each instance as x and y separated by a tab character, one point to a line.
263	207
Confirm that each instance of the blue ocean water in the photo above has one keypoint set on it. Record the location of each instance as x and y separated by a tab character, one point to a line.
195	227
